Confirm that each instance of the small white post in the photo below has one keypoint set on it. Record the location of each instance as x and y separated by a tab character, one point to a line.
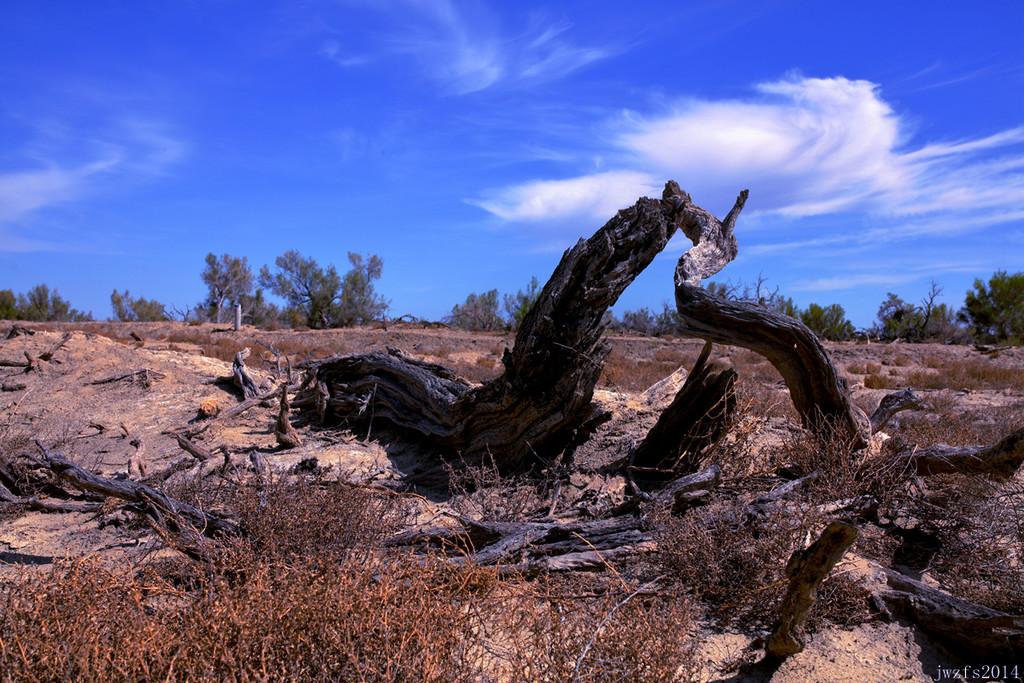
238	317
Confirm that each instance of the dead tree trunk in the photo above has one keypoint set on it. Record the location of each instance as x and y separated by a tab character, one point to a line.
818	392
542	404
697	417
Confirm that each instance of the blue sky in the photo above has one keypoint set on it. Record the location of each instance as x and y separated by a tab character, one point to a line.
468	144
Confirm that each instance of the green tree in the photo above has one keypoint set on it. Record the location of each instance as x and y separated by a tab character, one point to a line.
228	280
828	322
8	305
995	312
519	304
359	302
41	304
312	292
479	312
136	309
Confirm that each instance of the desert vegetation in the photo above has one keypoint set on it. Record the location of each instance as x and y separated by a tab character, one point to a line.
526	494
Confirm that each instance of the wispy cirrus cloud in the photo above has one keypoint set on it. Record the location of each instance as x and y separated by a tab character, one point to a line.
463	48
57	171
805	147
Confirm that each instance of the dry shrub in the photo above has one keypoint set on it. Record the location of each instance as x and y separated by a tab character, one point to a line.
857	368
903	360
875	381
304	518
483	492
565	632
968	374
309	621
979	526
734	565
841	472
623	372
841	601
957	427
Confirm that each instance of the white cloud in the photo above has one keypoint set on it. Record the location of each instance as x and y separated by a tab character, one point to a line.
133	148
804	147
599	194
462	47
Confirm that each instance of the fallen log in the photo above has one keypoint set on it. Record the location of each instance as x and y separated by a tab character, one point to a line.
535	410
157	504
963	626
1000	461
806	570
534	546
48	354
818	392
695	420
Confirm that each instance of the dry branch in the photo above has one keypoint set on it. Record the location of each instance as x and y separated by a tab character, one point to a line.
897	401
1000	461
144	376
159	505
806	570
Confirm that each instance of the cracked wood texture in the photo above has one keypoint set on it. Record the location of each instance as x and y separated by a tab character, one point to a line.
819	394
542	404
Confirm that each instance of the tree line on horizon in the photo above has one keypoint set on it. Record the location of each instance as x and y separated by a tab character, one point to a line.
320	297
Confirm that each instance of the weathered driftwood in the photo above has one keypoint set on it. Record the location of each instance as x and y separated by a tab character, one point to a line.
806	569
12	386
1000	461
242	379
897	401
287	436
161	507
539	406
965	627
818	392
695	420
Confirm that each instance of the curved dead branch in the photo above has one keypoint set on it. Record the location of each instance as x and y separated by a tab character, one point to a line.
818	392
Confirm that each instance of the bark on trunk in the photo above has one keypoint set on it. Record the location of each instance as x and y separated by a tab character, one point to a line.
539	406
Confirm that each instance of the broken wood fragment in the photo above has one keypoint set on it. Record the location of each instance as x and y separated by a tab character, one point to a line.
18	330
241	377
287	436
806	570
897	401
192	448
12	386
695	420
